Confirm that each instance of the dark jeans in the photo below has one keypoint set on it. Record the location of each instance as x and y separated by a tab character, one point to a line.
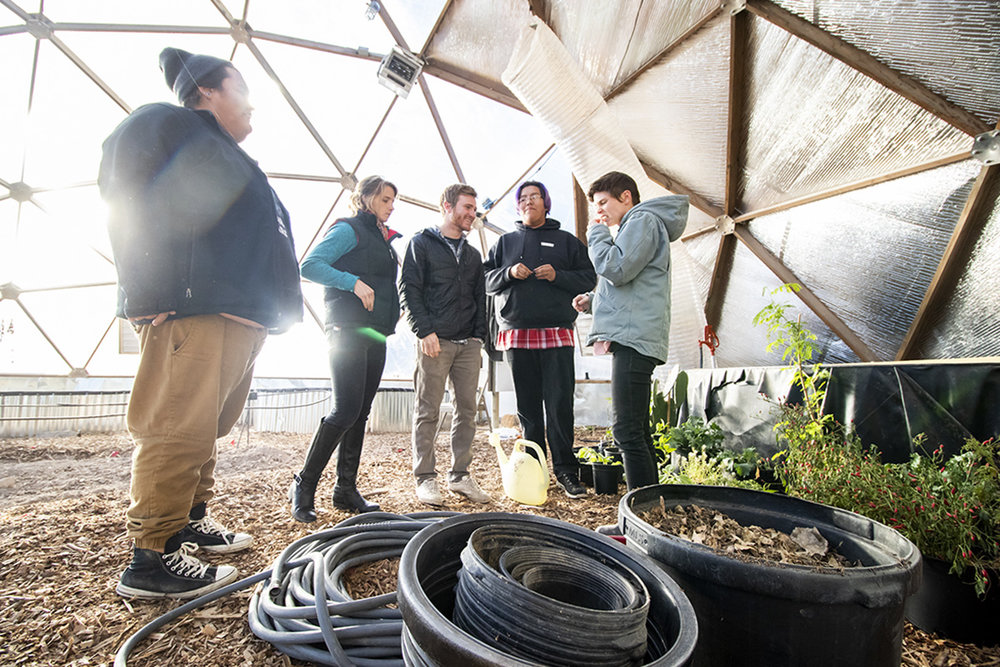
631	373
544	382
357	358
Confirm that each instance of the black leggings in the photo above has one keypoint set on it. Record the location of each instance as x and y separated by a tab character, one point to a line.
357	357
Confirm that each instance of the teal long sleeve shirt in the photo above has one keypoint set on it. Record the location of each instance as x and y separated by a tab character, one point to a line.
318	264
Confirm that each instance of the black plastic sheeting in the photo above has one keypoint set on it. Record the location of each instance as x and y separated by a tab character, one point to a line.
888	404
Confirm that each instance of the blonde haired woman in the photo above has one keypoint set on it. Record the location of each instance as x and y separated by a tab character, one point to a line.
356	264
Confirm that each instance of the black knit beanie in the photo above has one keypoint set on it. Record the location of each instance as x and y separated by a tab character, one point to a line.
183	71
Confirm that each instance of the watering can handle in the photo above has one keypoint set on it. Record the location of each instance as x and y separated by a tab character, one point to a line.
522	443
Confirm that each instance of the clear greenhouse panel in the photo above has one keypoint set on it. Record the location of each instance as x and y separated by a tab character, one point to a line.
839	127
957	55
969	323
688	89
888	241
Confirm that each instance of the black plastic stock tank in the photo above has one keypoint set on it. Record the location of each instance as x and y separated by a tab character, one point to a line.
429	573
752	613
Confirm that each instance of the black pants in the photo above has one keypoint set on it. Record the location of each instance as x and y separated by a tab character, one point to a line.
357	358
631	373
544	381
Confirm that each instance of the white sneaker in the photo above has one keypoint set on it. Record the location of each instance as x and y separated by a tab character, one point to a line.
467	487
428	493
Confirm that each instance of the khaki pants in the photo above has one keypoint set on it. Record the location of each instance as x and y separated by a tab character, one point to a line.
192	383
459	363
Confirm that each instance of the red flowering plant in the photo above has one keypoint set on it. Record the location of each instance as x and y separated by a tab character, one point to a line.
948	506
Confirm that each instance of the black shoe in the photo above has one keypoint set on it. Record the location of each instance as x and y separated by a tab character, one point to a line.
570	484
177	574
349	500
210	535
302	495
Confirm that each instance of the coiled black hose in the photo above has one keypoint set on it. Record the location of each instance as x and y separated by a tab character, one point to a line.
306	612
548	602
288	614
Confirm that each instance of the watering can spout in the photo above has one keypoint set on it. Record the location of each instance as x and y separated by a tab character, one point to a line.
495	441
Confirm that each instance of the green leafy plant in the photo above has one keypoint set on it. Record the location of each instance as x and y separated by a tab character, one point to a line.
693	435
798	346
948	506
701	457
591	455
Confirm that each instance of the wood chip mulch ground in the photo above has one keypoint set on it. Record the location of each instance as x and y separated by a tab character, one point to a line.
62	547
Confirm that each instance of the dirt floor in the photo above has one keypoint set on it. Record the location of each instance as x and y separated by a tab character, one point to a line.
62	546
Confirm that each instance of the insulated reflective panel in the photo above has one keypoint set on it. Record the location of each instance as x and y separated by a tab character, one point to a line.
951	46
813	123
611	40
969	323
689	288
870	255
675	113
478	37
741	343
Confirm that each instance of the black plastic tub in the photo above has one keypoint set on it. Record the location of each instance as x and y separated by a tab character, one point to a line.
948	606
752	613
428	575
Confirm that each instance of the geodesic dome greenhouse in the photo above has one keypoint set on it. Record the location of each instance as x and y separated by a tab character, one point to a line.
822	142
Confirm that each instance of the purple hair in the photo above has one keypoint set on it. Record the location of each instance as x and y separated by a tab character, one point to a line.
541	188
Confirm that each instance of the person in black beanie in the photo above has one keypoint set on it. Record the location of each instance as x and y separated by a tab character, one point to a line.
206	268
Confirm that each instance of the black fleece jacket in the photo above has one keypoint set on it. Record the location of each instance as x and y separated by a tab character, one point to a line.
195	227
442	293
536	303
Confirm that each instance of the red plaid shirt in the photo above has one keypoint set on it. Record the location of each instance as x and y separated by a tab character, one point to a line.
535	339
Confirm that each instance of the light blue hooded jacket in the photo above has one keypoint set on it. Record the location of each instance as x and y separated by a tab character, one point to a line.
631	304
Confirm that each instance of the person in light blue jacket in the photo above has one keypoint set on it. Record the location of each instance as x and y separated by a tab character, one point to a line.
631	306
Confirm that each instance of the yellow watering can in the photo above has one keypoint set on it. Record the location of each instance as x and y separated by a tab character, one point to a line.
525	478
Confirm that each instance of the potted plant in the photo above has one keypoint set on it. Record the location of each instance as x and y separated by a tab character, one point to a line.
948	506
692	453
584	457
606	472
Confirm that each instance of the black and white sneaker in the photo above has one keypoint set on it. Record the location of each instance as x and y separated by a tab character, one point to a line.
212	536
177	574
570	484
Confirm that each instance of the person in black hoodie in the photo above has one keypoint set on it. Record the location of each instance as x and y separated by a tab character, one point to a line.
533	273
441	287
357	265
206	268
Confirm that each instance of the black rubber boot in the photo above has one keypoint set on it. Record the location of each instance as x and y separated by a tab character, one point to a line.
302	493
345	492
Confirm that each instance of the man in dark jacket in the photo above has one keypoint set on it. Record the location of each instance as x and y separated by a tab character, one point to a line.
533	273
441	287
206	267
